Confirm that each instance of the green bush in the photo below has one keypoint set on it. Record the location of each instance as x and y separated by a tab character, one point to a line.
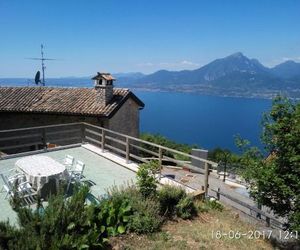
114	215
210	205
169	197
63	224
186	208
146	218
146	179
7	234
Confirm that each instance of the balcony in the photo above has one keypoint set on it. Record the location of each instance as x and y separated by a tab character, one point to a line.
110	158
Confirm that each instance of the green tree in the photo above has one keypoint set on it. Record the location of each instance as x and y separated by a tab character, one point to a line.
226	160
147	178
275	181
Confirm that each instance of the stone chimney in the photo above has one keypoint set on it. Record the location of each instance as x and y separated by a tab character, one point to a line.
104	87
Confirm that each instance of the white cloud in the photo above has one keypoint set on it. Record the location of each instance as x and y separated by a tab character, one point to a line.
185	62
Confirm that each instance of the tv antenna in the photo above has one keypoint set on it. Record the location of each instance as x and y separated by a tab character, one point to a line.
42	59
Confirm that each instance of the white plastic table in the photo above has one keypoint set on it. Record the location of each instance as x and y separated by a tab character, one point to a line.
40	169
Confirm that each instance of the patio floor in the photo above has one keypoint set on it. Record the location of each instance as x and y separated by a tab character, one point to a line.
102	171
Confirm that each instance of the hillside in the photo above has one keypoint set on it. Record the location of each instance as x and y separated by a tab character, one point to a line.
198	233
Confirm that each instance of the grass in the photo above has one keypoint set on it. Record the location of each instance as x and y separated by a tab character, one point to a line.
195	234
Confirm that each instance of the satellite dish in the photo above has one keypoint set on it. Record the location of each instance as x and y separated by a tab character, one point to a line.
38	74
37	78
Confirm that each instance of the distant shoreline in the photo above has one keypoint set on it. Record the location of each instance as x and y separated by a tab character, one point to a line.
188	89
237	95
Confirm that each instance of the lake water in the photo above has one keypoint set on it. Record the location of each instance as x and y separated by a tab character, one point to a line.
207	121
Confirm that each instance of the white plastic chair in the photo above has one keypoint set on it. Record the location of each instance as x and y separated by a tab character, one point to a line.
77	171
23	188
75	175
69	161
20	177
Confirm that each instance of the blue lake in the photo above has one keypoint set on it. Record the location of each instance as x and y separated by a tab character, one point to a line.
207	121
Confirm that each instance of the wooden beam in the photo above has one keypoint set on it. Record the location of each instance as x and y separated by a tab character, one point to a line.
206	173
127	150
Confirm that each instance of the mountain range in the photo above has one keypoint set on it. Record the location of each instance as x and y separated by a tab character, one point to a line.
234	75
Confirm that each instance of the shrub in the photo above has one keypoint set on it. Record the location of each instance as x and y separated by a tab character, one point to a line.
113	216
146	179
210	204
169	197
7	234
146	218
185	208
63	224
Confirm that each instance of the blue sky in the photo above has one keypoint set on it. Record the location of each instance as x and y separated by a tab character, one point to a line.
143	35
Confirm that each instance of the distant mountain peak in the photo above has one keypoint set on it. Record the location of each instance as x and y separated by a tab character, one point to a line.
237	55
287	69
290	62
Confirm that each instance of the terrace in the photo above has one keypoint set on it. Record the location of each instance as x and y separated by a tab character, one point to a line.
110	158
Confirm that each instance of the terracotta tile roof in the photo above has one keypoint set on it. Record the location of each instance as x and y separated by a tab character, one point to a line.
77	101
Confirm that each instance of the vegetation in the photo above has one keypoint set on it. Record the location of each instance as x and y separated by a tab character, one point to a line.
186	208
195	234
161	140
210	204
73	224
146	178
227	160
275	181
169	197
63	224
144	216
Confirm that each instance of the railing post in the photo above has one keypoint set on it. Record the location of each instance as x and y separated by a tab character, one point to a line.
160	160
218	194
127	150
82	133
103	140
206	178
258	215
268	221
44	138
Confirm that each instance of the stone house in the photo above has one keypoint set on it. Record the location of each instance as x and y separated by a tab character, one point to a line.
103	105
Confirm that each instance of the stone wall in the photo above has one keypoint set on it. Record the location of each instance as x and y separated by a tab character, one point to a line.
104	94
126	120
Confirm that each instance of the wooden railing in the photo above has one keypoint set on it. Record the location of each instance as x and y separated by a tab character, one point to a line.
131	148
248	210
26	139
19	141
